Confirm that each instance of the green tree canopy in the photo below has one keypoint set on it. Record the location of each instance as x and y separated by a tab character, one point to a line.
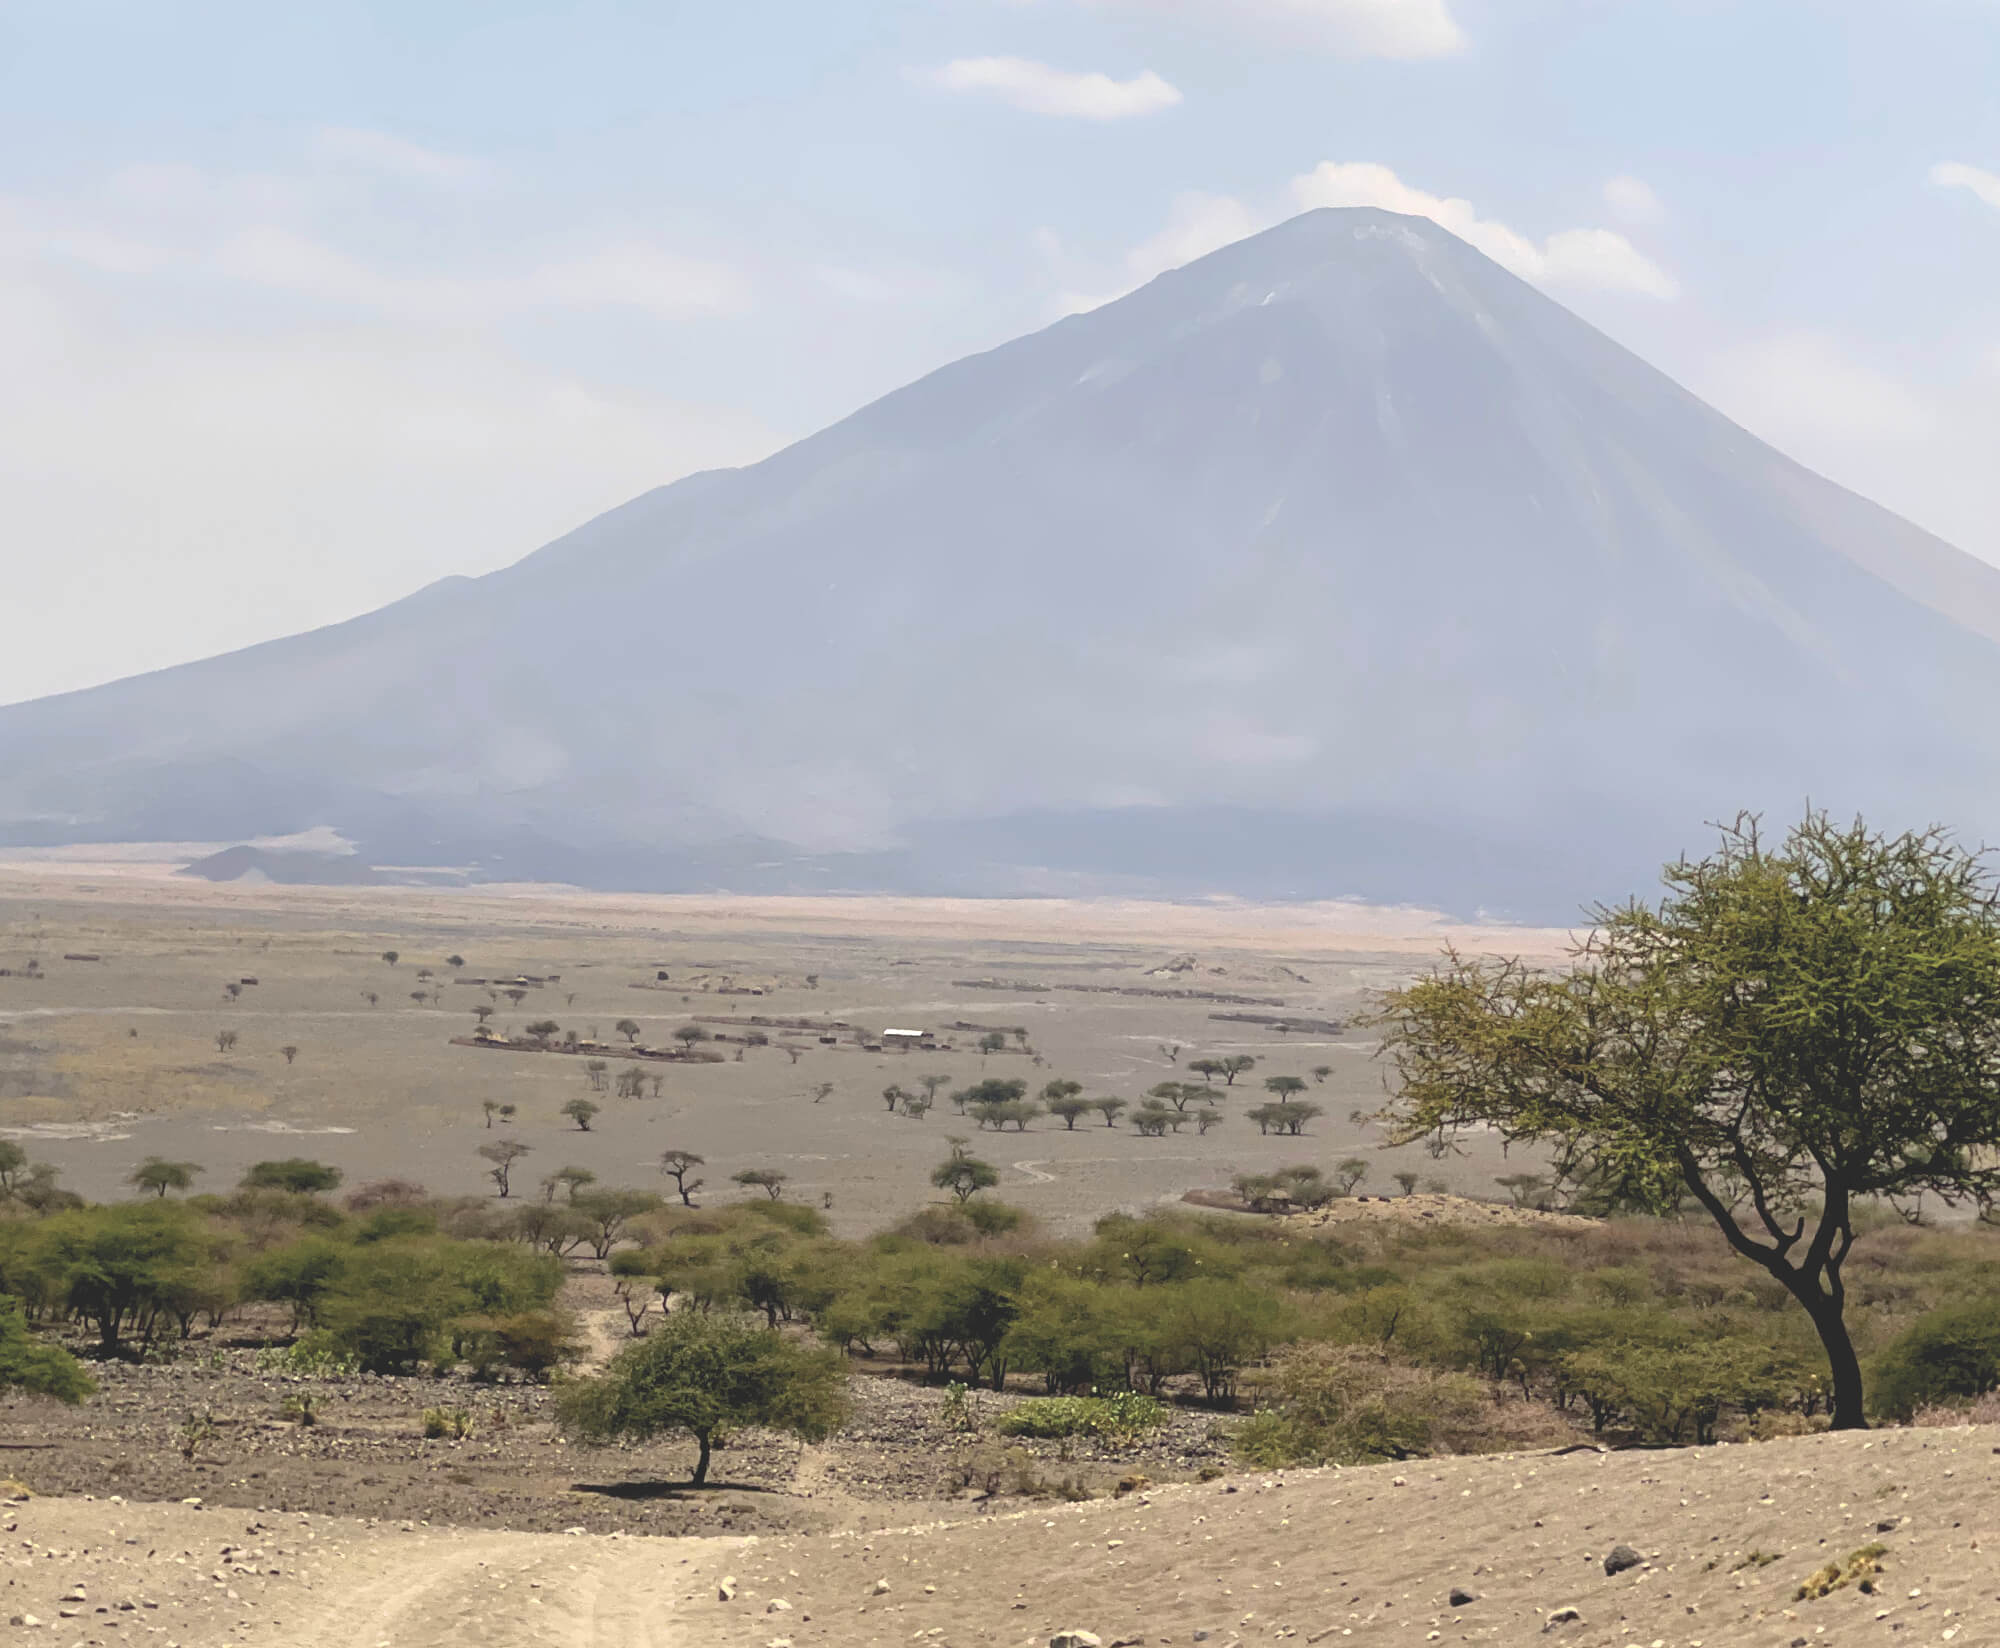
294	1173
1792	1032
160	1176
964	1176
709	1374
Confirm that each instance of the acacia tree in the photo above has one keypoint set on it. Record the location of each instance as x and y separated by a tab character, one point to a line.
677	1165
503	1154
964	1176
1790	1033
159	1175
580	1111
1286	1088
629	1029
770	1180
709	1374
1234	1065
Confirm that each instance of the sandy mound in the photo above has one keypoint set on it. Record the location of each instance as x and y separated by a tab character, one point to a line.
1725	1539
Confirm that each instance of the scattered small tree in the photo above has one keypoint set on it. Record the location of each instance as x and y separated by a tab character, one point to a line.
392	956
608	1212
689	1034
1065	1099
1235	1065
594	1072
1407	1181
503	1154
1321	1071
491	1108
294	1173
482	1012
629	1029
371	998
580	1111
964	1176
893	1095
678	1165
1349	1174
1207	1069
767	1179
1525	1189
820	1092
994	1041
1286	1088
290	1052
454	962
159	1176
543	1031
1108	1109
225	1041
569	1180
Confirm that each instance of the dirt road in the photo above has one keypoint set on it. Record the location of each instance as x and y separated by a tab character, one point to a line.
1724	1537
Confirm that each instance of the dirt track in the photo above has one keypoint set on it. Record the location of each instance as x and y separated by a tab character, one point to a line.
1332	1556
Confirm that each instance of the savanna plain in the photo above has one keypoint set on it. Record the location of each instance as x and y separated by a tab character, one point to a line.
1111	1310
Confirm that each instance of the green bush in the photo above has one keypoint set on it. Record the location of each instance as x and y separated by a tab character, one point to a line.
28	1365
1948	1355
314	1355
1119	1418
1332	1405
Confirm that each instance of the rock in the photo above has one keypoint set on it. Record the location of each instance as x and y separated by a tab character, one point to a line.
777	1605
1076	1639
1460	1596
726	1591
881	1587
1620	1558
28	1620
1562	1616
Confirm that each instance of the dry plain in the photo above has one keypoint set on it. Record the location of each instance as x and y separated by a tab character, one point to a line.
104	1062
361	1532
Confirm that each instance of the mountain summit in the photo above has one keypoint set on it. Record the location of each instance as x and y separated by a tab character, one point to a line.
1339	561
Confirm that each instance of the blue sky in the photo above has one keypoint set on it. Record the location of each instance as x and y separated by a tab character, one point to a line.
302	307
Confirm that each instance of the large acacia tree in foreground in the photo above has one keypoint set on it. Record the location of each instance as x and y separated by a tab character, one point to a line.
1793	1032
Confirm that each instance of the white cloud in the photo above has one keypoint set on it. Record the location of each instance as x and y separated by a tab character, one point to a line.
1632	199
1040	89
1599	259
1578	259
202	470
1951	174
193	488
1407	29
393	156
285	260
1802	393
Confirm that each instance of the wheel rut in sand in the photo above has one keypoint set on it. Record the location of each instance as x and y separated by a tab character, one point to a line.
516	1591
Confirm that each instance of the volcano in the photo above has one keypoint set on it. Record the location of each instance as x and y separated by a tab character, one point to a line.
1337	562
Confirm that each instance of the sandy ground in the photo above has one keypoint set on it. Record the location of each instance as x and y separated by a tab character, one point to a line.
106	1061
1727	1536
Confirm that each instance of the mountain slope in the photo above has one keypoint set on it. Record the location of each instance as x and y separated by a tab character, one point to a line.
1339	561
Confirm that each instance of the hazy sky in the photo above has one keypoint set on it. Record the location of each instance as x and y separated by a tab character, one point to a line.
302	306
